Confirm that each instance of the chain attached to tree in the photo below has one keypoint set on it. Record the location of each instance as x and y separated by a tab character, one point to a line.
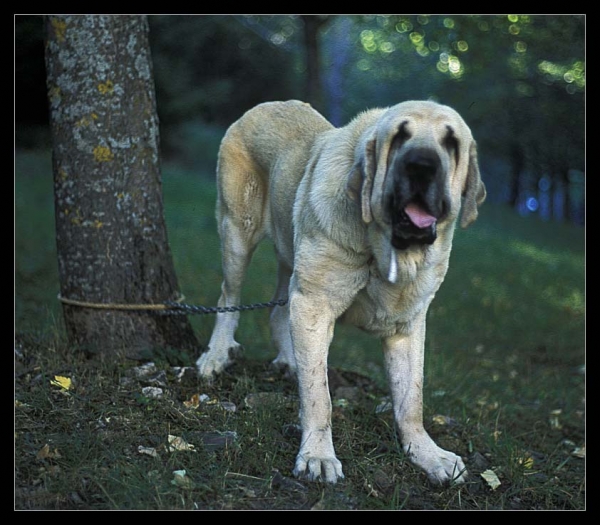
173	307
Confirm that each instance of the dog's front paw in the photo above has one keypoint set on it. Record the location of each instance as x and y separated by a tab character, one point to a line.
212	362
327	469
441	466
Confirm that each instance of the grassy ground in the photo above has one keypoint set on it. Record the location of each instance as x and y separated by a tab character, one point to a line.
504	385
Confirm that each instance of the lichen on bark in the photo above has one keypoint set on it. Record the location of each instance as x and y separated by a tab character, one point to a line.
111	236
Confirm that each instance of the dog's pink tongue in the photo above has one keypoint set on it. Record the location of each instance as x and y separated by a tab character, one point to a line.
419	217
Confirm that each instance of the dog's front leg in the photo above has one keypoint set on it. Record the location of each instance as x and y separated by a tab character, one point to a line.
404	356
311	325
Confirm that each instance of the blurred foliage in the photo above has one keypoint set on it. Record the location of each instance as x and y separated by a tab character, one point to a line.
212	67
518	80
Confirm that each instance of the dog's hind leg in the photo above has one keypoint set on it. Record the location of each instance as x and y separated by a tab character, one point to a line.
280	322
222	347
240	208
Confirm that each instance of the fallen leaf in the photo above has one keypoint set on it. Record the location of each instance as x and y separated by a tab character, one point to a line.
150	451
579	452
61	382
194	402
182	480
526	461
491	478
46	453
178	443
442	420
554	419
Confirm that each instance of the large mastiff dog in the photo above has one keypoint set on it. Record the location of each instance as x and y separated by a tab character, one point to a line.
362	218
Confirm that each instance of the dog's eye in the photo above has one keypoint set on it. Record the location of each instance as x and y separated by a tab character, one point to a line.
451	142
403	131
402	136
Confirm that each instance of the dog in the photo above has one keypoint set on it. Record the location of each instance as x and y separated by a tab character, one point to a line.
362	218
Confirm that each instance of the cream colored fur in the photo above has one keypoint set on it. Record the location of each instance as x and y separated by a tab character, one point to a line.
318	193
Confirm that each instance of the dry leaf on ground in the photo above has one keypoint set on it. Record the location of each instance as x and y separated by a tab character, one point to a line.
61	382
178	443
491	478
149	451
182	480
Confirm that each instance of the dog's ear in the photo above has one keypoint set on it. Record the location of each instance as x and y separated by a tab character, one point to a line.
474	191
360	180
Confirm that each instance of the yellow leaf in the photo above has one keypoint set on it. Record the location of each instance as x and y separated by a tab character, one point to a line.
491	479
526	461
194	402
44	452
61	382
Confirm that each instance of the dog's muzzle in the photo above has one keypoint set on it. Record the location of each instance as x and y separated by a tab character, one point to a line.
416	199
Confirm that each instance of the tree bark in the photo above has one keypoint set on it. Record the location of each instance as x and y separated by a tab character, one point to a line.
314	95
339	52
111	236
517	163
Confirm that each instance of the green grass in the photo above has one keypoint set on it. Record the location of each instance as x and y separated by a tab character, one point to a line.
505	350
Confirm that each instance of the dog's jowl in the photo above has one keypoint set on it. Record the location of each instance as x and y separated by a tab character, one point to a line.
362	218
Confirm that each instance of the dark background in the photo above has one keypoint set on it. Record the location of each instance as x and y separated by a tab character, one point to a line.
519	82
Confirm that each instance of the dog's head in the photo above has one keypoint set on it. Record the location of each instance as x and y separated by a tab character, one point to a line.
414	169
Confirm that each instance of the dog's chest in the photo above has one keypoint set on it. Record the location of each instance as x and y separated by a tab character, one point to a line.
384	309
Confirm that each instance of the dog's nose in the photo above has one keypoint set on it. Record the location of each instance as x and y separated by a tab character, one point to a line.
421	164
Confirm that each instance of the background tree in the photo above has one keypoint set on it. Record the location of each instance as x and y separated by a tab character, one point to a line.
111	237
312	28
518	80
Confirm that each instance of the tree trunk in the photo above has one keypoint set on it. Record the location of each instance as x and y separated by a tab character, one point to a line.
339	50
517	162
564	192
111	236
312	24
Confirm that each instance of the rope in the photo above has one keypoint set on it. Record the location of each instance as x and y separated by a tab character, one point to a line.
172	307
116	306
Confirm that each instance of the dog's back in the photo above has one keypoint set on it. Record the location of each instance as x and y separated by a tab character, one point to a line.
262	158
270	129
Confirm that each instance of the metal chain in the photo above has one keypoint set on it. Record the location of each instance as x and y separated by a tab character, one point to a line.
175	308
